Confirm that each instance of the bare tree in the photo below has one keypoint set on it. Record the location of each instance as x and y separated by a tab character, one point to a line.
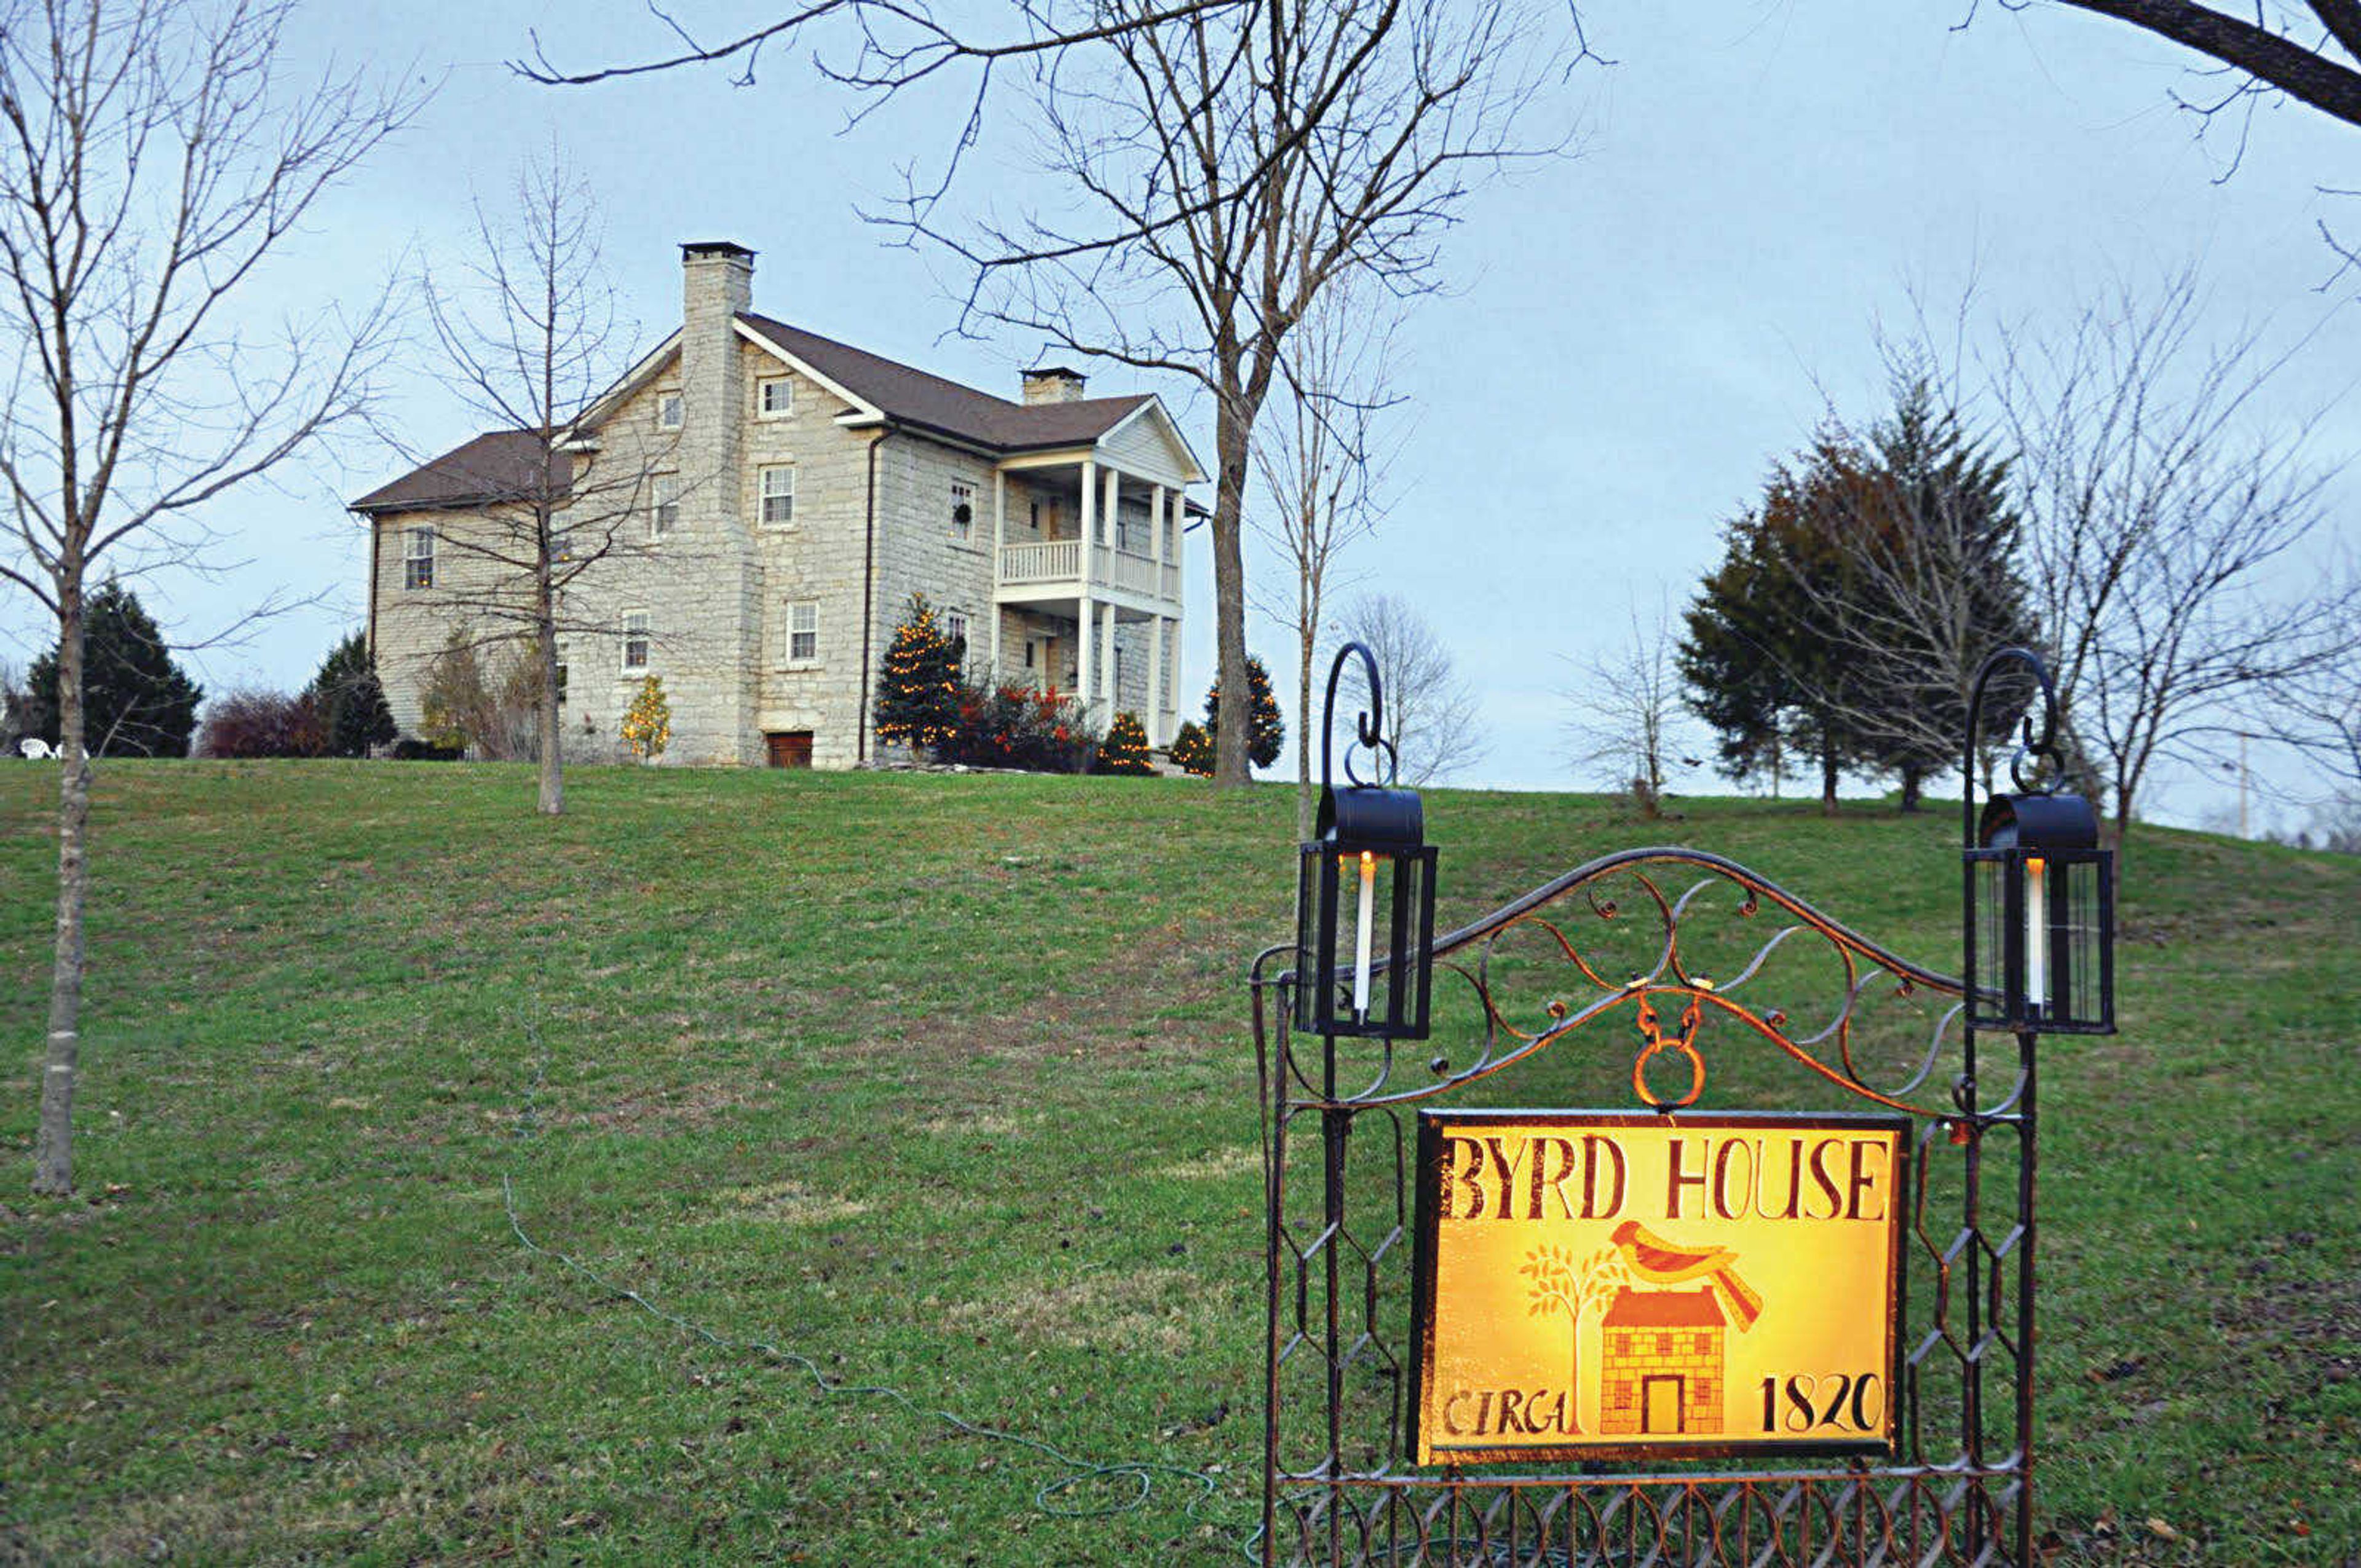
1627	710
1226	166
1430	718
1322	466
528	341
151	159
2160	503
2316	707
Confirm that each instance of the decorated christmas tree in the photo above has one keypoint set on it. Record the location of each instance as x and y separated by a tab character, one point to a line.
647	723
1266	730
1192	753
918	687
1125	749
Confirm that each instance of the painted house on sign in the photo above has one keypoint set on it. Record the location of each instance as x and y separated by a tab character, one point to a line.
1662	1368
764	501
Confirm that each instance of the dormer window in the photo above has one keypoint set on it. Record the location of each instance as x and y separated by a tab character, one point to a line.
668	410
774	398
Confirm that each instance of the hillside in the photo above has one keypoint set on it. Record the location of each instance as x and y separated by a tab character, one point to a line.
945	1085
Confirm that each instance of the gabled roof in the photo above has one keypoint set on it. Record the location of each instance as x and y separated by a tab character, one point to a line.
499	466
1664	1310
910	396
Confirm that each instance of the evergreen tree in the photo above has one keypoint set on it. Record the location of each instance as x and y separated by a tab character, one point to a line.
1125	749
137	702
1266	730
917	685
350	700
1192	753
647	723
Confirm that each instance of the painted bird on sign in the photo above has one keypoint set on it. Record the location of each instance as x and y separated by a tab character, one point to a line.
1660	1261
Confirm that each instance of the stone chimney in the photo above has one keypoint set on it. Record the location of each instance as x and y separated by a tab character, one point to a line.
717	284
1053	384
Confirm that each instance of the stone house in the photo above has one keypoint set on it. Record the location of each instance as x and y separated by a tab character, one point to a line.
768	499
1663	1367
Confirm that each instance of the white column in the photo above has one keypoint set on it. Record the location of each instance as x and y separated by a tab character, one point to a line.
1085	624
1156	533
1114	508
1106	666
1090	513
999	539
1156	738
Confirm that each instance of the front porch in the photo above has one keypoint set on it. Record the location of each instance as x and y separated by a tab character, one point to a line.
1088	558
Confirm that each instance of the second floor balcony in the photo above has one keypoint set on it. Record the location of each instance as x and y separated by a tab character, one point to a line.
1053	569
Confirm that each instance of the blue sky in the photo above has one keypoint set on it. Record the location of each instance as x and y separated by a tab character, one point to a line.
1630	335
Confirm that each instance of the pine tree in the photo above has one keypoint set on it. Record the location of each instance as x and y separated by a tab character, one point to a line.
350	700
1192	752
135	701
1125	749
647	723
917	685
1266	730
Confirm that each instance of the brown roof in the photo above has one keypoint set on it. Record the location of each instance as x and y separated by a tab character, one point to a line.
910	396
1664	1310
496	467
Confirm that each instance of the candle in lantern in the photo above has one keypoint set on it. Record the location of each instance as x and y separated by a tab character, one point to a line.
1361	941
2036	935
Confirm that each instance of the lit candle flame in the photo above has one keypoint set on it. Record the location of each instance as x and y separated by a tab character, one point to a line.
1361	943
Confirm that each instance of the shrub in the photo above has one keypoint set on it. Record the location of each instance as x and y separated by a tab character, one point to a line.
1192	750
1266	730
917	684
411	748
486	703
1010	726
263	724
1124	750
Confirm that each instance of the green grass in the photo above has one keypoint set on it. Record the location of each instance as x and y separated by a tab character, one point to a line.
946	1083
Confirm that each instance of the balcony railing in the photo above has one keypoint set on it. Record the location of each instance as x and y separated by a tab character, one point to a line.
1060	560
1048	561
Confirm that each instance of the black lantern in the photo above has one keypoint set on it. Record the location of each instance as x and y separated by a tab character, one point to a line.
2040	916
1365	904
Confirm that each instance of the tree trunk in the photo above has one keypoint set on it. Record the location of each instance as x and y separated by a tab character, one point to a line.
552	759
1829	771
1913	781
1231	435
53	1149
1306	637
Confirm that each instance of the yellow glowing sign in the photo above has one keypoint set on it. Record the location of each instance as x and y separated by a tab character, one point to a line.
1596	1283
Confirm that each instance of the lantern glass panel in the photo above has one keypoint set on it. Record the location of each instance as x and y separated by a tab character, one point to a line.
1364	919
1989	1001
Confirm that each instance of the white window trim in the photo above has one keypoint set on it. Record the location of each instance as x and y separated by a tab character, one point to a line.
954	625
762	385
411	538
788	659
762	494
678	402
647	646
963	494
657	528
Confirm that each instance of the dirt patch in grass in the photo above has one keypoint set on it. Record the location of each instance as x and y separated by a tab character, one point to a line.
787	1202
1165	1309
1216	1165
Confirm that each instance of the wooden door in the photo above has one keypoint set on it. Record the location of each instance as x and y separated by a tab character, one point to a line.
789	748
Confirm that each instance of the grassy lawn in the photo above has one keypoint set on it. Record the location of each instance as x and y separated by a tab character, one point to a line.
945	1084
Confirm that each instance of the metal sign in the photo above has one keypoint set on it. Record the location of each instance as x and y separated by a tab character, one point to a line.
1605	1285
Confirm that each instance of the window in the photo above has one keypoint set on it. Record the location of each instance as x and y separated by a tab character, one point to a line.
778	487
955	625
664	515
962	512
1035	517
774	398
635	641
561	685
803	632
667	411
418	558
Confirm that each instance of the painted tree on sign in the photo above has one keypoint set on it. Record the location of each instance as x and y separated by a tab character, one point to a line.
1562	1283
